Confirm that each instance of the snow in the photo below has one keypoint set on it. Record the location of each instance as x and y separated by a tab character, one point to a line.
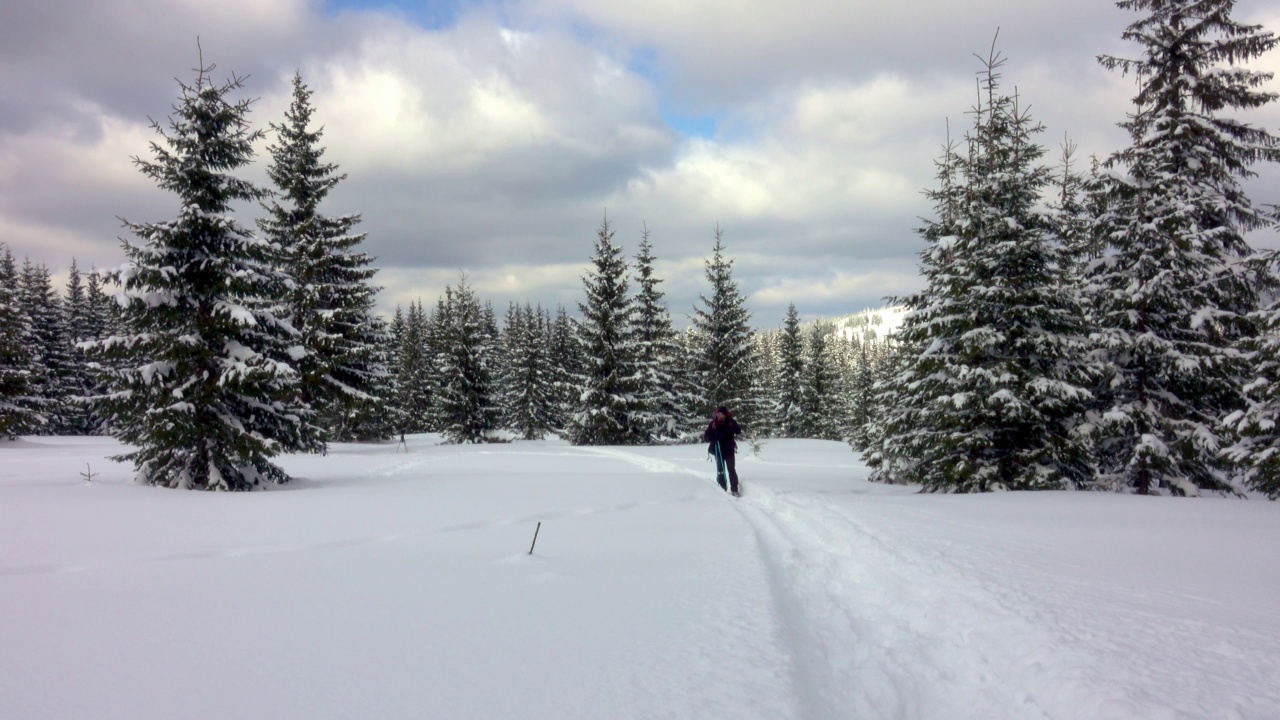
872	323
399	585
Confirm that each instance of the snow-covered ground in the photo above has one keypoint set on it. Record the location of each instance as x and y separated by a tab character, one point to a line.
389	585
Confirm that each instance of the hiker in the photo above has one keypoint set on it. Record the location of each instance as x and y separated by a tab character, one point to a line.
720	434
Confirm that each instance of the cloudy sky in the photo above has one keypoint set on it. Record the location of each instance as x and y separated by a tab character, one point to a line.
492	137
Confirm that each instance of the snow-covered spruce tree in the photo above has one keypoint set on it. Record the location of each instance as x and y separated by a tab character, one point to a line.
566	366
658	416
1173	294
53	369
375	420
395	330
394	337
608	406
862	407
725	352
789	413
414	369
503	372
996	392
467	396
1257	425
99	318
766	352
1074	211
688	389
436	339
822	391
528	394
329	300
888	438
99	304
20	405
79	326
197	387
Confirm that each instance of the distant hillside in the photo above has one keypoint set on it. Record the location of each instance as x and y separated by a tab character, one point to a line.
869	325
873	324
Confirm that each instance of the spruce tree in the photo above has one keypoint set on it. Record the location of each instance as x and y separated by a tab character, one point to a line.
436	348
609	405
1173	295
99	311
20	405
688	388
77	313
329	301
790	402
53	371
725	351
862	407
79	326
415	376
766	352
197	387
821	387
992	397
467	398
529	394
375	419
566	367
658	415
1074	212
891	434
1257	426
394	338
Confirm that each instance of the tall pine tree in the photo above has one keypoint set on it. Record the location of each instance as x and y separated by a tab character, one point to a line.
658	415
467	398
20	405
789	413
197	388
994	395
725	353
329	299
53	372
1173	296
822	391
529	397
566	368
609	405
416	381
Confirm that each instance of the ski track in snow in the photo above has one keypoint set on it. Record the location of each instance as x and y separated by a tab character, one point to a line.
873	634
884	629
887	629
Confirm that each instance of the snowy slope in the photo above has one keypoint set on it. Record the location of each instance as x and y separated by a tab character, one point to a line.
871	324
388	585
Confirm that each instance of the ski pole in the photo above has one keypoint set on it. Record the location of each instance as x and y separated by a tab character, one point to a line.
721	480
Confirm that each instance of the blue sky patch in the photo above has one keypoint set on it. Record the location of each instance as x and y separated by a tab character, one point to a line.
644	62
431	14
699	126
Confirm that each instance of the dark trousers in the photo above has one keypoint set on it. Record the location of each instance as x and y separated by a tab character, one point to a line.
725	462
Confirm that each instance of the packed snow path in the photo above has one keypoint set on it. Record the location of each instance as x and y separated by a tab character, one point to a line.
394	585
947	607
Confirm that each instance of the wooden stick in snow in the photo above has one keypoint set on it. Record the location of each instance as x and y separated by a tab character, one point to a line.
535	537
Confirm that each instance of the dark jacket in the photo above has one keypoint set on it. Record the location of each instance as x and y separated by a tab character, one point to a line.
722	434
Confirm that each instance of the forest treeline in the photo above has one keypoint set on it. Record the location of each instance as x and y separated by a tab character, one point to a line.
1100	325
